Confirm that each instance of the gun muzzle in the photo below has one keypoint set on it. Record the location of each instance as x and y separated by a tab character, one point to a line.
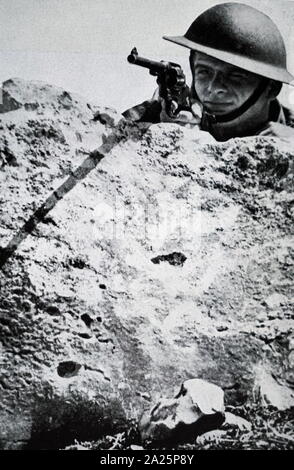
152	65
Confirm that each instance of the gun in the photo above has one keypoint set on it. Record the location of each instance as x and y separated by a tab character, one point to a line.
171	80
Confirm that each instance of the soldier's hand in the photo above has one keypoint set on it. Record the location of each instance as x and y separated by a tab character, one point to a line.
184	118
276	129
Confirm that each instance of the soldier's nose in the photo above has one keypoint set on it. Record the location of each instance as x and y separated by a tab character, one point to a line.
216	84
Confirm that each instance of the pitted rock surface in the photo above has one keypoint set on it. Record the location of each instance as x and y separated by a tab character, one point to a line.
91	328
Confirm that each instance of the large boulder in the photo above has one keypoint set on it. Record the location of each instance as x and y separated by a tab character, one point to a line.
121	277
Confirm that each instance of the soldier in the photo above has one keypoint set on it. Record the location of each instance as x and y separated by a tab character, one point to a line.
238	65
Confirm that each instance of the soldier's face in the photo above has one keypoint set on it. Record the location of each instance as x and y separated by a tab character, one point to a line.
222	87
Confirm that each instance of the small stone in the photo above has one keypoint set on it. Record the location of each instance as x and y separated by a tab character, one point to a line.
211	436
135	447
233	421
196	409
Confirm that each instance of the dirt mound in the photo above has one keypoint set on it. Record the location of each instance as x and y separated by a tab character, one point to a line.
121	277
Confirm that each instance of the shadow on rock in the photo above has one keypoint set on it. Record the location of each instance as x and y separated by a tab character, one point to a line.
58	422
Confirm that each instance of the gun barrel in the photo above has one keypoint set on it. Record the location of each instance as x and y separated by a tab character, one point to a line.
134	58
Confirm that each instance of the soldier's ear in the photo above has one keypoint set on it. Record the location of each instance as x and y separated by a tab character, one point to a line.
274	89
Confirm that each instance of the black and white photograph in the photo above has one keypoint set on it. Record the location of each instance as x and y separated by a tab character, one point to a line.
146	228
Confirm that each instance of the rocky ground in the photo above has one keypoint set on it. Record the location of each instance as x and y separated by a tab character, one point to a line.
272	430
160	257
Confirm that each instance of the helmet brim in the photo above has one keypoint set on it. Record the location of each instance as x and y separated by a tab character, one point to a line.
251	65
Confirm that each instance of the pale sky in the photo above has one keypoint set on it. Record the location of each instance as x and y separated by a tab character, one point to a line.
82	45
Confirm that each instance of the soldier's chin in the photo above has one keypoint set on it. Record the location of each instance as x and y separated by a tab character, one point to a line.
219	109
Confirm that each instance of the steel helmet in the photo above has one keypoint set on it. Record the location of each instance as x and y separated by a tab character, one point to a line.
239	35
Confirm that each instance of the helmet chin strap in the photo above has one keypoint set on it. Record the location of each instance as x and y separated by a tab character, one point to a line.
210	119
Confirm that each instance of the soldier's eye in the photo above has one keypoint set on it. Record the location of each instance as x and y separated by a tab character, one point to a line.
237	76
202	72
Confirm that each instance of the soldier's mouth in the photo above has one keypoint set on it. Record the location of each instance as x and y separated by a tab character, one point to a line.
217	107
217	103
